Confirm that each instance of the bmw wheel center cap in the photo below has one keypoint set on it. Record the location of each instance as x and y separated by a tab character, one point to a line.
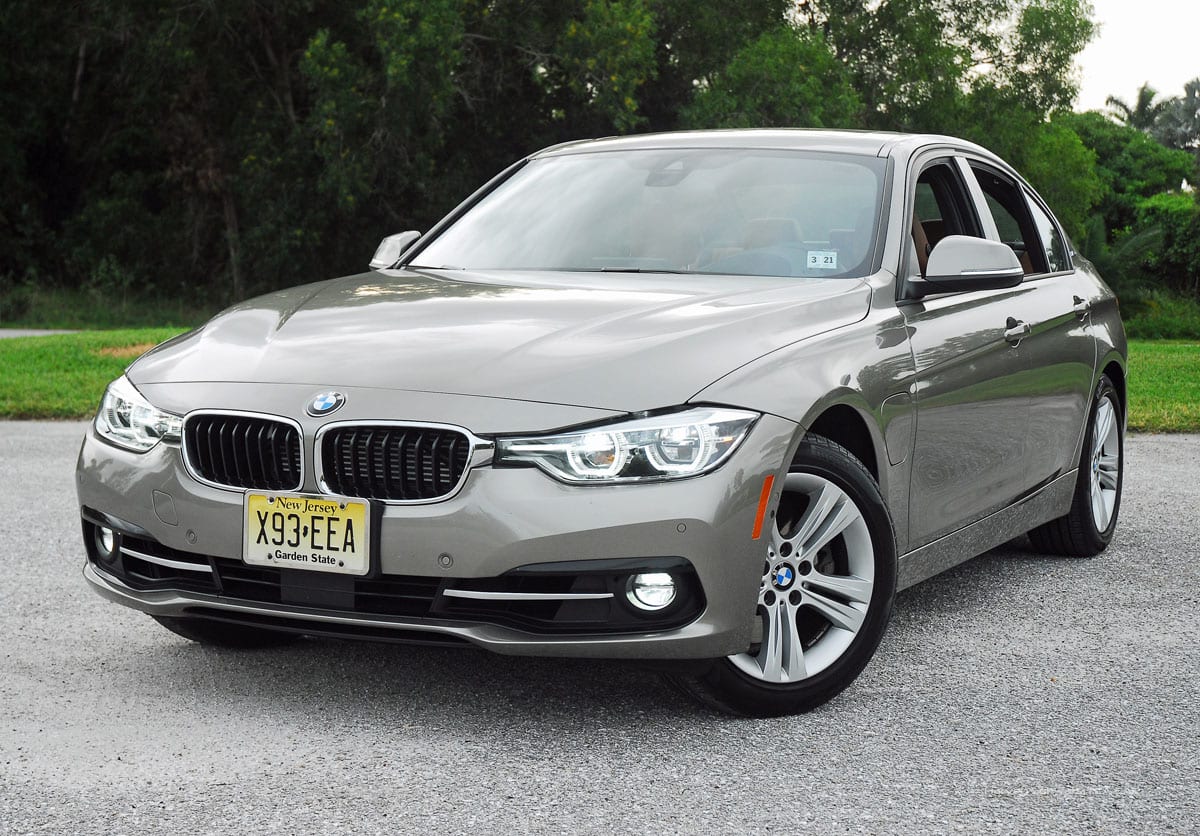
325	403
783	576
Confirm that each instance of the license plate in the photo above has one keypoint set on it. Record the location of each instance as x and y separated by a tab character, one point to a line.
297	531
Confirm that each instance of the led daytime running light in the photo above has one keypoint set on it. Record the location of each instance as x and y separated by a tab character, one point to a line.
129	421
669	446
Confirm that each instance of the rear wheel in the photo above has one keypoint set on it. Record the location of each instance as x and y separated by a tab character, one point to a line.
829	579
1088	527
221	634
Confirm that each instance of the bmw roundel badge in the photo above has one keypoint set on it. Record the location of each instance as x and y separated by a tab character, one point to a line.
325	404
782	576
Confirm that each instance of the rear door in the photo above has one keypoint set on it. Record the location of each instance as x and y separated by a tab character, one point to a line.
1058	353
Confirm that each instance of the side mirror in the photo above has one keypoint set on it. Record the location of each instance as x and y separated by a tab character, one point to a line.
961	262
391	248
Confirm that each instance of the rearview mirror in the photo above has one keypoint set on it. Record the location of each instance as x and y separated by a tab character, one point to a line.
961	262
391	248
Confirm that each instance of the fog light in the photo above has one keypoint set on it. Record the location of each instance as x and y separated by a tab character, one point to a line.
106	542
651	590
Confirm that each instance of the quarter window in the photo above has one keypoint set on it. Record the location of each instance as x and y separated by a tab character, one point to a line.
1051	239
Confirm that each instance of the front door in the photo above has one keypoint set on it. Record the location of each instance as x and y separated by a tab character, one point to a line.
970	390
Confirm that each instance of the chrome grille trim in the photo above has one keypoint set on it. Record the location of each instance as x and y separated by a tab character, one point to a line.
526	596
253	454
478	452
166	561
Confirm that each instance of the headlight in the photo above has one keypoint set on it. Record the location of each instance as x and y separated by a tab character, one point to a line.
127	420
663	447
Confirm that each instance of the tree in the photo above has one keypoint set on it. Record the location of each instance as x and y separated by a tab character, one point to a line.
1064	172
212	150
1131	166
1176	262
915	62
1143	114
784	78
1178	126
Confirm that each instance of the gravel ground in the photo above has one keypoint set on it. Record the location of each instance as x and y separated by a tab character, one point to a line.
1014	694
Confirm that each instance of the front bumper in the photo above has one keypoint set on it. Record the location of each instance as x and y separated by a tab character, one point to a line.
502	520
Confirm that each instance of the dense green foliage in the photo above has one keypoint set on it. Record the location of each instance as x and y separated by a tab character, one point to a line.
196	153
784	77
1130	164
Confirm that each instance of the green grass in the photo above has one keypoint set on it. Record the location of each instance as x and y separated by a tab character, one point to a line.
63	376
1164	386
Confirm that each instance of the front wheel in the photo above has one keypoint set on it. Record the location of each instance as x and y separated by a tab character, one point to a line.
829	579
1088	527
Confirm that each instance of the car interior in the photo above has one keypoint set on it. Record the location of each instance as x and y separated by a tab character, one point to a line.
941	208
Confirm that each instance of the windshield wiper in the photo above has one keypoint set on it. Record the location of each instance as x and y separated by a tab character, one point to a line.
642	270
563	269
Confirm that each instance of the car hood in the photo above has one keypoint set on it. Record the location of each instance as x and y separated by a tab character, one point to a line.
611	341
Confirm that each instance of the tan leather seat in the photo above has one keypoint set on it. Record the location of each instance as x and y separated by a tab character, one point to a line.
921	242
935	230
767	232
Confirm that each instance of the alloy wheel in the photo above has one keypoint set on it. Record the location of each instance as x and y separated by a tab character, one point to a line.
817	582
1105	463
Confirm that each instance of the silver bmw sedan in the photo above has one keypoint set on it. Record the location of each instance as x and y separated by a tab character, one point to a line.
702	398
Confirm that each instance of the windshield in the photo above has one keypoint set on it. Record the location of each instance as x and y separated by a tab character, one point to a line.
726	211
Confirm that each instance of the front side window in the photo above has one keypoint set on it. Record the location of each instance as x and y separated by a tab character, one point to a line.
940	208
715	211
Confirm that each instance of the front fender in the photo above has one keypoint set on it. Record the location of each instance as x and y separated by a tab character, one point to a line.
867	366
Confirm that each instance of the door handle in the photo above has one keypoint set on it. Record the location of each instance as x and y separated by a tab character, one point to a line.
1016	330
1082	307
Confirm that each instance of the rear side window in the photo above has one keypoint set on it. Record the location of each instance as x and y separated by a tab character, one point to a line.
1052	242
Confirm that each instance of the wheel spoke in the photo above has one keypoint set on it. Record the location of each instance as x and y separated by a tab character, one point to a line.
827	516
1099	509
847	586
819	508
1104	425
1108	474
839	614
781	656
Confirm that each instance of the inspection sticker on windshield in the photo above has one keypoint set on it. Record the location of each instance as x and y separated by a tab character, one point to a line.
822	259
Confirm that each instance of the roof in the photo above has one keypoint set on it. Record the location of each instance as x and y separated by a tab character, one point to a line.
873	143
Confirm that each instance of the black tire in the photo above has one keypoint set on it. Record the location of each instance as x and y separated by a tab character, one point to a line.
723	685
222	634
1076	534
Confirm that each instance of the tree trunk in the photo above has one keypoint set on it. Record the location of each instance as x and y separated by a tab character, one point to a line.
233	240
76	89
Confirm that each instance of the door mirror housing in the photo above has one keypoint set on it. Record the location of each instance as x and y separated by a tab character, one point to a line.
962	262
391	248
